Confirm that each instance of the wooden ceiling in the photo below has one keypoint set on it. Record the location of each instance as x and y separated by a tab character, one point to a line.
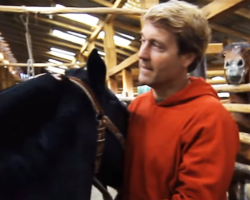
226	23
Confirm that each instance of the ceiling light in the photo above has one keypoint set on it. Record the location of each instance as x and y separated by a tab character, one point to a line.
77	34
101	53
69	37
58	62
62	51
126	36
121	41
6	62
62	55
55	61
118	40
82	18
55	70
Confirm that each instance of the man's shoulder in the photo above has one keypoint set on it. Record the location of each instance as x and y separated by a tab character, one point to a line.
140	100
212	106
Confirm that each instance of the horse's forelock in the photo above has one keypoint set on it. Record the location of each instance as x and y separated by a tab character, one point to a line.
241	45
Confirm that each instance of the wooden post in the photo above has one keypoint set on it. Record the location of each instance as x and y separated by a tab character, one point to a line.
110	55
127	82
4	72
112	84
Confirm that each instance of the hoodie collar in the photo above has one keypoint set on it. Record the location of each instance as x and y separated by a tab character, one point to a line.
196	88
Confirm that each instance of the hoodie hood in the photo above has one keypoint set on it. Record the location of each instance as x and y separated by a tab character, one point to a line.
196	88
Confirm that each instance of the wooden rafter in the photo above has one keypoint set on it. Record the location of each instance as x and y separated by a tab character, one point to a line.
117	4
217	7
53	10
211	10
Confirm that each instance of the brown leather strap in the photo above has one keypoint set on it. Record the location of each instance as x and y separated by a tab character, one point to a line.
99	110
103	123
115	131
100	144
89	93
102	189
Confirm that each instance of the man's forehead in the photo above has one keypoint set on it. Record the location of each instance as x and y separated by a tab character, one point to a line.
157	33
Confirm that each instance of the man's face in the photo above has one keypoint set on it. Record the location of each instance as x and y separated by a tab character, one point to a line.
159	61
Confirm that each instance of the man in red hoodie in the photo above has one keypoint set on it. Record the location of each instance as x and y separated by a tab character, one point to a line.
182	142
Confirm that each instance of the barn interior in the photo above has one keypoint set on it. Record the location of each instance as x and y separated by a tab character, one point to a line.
59	41
68	38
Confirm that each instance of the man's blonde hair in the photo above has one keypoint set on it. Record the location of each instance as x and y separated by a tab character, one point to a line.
187	22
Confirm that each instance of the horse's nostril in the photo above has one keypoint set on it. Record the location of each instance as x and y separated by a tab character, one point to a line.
227	63
240	62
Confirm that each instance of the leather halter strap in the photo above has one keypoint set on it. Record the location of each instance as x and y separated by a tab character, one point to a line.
99	110
104	122
89	93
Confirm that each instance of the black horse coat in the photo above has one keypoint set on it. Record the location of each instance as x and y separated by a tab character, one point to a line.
47	141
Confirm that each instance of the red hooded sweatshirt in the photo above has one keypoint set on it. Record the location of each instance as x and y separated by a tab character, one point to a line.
183	148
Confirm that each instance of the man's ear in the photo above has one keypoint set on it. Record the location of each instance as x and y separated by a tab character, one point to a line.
96	69
188	59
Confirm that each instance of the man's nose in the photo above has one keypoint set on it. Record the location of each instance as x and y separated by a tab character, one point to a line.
144	52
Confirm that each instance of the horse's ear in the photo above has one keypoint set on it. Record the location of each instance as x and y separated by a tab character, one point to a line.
226	42
96	69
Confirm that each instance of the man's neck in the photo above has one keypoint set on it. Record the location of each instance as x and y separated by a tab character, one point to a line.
164	91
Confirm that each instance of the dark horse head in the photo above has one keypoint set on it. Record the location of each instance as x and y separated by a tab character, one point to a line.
48	136
236	63
94	74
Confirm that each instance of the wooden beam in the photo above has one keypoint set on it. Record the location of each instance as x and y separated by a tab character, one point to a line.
234	88
109	45
112	83
111	56
123	65
127	83
211	10
214	48
243	12
122	52
131	28
210	73
229	31
37	64
239	108
77	29
218	6
108	4
117	4
212	82
215	73
66	10
61	24
87	32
